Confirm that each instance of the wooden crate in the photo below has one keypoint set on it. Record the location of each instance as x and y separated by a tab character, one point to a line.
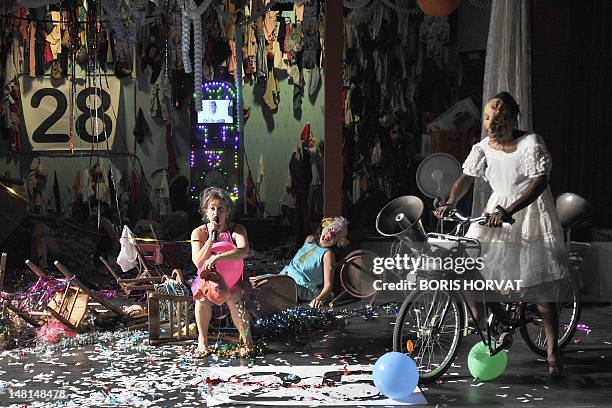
178	322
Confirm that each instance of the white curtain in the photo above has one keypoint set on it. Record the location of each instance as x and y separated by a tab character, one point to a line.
507	68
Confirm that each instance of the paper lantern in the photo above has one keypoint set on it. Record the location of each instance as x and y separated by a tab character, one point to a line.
438	8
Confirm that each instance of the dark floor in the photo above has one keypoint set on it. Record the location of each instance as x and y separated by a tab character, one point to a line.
128	372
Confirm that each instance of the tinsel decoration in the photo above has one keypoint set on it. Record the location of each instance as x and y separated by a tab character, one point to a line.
41	293
122	339
53	332
232	350
108	293
295	322
300	321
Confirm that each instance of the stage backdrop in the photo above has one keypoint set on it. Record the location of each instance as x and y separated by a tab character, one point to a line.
45	105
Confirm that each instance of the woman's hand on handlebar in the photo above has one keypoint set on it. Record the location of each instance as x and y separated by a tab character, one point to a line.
499	217
443	210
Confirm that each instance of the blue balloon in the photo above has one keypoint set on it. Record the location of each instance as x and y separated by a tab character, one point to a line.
395	375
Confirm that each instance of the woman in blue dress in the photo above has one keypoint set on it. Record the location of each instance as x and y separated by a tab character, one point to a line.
312	266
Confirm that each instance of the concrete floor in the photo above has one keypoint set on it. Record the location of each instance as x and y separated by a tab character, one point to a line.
129	371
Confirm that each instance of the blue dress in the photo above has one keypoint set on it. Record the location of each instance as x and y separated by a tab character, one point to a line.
306	269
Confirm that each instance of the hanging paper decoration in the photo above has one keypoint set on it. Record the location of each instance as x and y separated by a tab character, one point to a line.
197	63
185	37
192	12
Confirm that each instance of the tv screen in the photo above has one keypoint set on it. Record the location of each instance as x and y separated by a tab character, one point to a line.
216	111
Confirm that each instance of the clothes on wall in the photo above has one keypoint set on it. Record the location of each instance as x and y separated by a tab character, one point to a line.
381	54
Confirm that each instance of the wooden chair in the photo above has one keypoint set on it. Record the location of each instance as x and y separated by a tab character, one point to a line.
99	306
357	276
69	307
150	272
178	321
145	280
270	294
178	325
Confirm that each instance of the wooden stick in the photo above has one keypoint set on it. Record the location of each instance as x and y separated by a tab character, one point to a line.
2	270
154	323
39	272
25	316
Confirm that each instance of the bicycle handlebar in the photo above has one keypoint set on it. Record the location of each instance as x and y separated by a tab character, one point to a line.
454	215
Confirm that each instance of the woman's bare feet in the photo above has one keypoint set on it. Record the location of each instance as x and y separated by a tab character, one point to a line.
555	368
201	352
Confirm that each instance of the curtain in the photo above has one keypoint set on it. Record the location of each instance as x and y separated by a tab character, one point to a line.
507	68
584	164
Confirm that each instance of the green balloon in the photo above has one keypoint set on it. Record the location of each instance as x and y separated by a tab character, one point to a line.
484	367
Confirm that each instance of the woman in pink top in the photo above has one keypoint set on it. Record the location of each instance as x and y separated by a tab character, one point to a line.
219	264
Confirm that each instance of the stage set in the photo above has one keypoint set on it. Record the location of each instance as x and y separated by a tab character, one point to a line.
305	203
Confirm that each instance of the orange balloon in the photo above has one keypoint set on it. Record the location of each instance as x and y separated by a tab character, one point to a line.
438	8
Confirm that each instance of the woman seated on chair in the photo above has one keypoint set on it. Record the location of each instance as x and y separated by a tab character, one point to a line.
217	250
312	267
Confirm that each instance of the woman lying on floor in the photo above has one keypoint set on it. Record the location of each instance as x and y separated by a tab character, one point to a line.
312	266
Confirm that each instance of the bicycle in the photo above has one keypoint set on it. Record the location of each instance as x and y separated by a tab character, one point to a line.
431	324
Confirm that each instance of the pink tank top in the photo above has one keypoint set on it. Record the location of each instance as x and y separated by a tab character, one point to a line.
231	271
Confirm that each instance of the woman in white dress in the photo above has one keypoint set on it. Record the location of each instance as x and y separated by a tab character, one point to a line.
517	166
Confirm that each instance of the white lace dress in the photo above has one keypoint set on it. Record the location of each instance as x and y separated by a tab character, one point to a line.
532	249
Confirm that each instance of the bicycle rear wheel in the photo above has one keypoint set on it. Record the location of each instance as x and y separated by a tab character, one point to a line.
570	310
432	322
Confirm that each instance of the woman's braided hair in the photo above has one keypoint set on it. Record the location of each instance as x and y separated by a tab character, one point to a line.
506	112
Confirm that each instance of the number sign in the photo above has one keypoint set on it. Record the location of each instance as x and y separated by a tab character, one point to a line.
46	112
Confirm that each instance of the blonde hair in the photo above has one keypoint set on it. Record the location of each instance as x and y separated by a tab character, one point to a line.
338	227
214	193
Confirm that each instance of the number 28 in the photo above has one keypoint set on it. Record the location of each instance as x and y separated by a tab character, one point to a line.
40	135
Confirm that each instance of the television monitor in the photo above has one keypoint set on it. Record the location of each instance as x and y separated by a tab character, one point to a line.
216	111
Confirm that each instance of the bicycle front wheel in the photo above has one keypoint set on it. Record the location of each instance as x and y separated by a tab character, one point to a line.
569	313
429	324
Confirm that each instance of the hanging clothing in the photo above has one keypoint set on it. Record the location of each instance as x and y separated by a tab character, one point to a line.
128	255
261	58
298	94
173	167
54	38
232	61
272	94
160	101
251	41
